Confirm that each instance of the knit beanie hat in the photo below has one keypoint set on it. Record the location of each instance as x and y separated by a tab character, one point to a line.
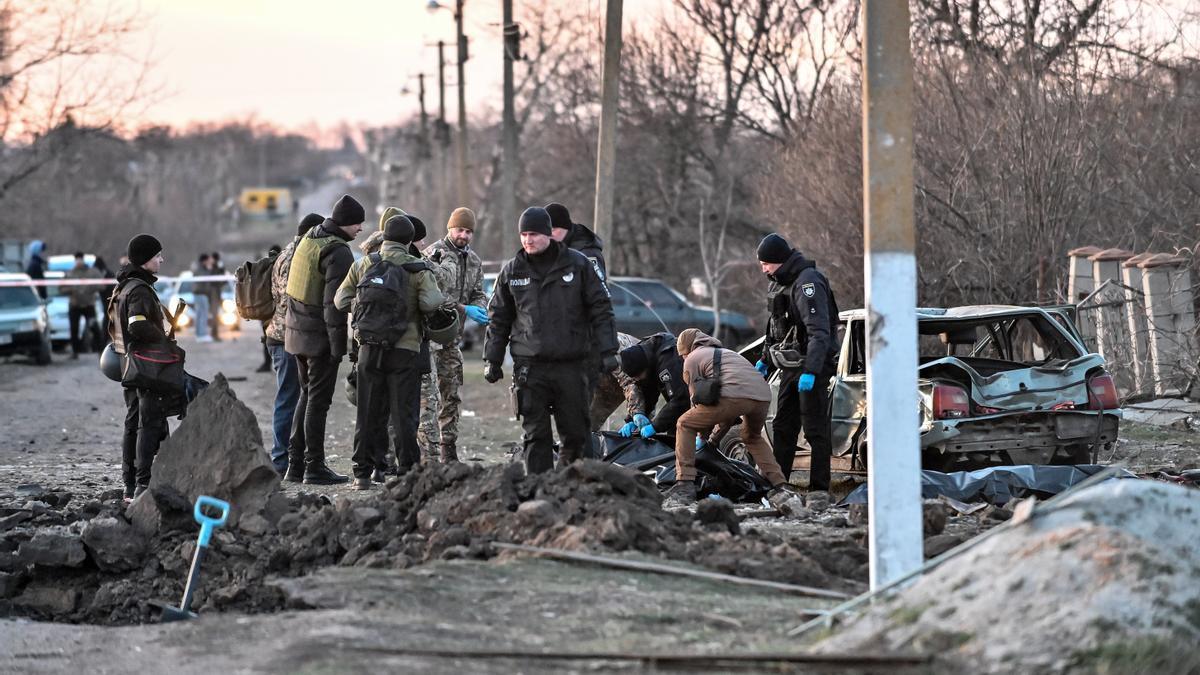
774	249
398	229
142	248
560	217
309	222
634	360
419	231
347	211
461	217
535	219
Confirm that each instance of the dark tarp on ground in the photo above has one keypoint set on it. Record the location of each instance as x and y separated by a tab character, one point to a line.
996	484
715	473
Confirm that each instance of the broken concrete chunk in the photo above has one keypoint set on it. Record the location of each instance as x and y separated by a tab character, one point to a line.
366	517
114	544
254	524
9	522
49	599
933	517
217	451
53	549
717	514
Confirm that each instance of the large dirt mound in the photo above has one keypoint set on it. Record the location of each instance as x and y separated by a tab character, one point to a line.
434	512
1105	583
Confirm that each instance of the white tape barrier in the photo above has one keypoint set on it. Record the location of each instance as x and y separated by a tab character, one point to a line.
107	282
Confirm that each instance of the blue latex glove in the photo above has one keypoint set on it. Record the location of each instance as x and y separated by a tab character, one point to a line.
628	429
641	420
648	431
806	382
699	442
761	367
477	314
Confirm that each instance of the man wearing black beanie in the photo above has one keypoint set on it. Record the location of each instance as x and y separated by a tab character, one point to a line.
558	303
287	370
800	339
137	321
315	333
390	336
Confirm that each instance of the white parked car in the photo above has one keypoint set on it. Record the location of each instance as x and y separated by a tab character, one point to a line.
24	320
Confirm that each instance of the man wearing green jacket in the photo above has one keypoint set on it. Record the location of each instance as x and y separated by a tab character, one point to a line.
389	294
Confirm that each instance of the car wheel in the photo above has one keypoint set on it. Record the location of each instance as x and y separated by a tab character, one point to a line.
733	447
44	352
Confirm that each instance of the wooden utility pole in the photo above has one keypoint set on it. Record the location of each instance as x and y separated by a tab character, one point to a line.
606	150
893	436
508	172
464	187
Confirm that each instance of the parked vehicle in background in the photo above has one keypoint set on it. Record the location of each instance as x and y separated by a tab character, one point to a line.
643	306
998	385
182	289
24	320
59	301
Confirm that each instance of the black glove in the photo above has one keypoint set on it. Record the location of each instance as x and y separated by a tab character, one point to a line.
492	372
437	256
609	363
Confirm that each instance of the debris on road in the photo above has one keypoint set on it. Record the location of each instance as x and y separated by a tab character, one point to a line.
996	485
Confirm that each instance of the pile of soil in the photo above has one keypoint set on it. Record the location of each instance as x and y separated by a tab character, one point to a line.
1103	581
433	512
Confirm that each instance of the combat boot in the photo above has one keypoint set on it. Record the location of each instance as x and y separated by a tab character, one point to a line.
363	483
681	494
317	473
449	453
295	469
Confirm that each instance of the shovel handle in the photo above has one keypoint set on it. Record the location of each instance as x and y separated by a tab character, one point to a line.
207	523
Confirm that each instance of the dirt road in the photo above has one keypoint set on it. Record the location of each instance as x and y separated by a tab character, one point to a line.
62	423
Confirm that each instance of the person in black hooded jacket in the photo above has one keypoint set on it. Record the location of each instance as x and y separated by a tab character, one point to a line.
136	319
802	317
658	369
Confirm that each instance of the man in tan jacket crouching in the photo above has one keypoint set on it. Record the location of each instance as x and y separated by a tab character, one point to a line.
744	398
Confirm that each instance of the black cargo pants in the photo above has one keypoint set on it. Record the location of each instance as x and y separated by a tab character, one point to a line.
556	389
808	410
318	380
145	429
389	386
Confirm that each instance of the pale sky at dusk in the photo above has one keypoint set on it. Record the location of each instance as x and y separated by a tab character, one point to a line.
295	62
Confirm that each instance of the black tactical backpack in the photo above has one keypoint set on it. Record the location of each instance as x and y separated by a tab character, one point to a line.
381	304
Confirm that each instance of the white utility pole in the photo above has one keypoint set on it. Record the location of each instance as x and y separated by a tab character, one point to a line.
893	435
606	150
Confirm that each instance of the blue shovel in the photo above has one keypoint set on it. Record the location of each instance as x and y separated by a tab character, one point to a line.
207	524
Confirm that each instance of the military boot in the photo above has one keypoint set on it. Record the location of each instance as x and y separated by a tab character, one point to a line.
449	453
295	470
317	473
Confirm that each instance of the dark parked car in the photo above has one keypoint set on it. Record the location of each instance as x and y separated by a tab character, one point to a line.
997	385
646	306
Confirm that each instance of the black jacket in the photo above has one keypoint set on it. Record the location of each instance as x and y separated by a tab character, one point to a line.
552	317
138	316
799	297
315	331
586	242
665	380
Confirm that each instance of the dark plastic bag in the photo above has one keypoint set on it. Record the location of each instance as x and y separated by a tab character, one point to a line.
732	479
636	452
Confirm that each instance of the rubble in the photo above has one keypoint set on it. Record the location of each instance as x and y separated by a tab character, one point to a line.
113	544
217	451
53	548
1103	581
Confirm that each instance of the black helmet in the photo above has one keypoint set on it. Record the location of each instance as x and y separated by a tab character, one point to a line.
110	363
442	325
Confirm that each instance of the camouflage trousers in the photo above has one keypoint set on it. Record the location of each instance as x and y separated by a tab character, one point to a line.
449	366
609	396
428	436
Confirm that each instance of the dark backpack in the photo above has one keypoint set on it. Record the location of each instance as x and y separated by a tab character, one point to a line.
381	302
252	289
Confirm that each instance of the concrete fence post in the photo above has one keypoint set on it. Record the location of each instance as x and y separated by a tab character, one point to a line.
1135	317
1079	286
1170	321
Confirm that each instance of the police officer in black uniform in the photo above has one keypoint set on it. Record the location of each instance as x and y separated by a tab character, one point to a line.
801	333
549	304
136	319
658	369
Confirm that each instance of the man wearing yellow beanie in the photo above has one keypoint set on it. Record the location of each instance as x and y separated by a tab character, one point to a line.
465	287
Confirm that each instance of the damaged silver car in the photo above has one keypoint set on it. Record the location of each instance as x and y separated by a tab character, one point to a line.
997	385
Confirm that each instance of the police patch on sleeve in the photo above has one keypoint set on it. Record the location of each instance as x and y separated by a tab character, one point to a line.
809	290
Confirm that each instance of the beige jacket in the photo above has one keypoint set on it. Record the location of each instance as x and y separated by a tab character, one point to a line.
738	377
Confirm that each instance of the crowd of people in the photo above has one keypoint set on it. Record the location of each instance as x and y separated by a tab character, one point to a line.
397	315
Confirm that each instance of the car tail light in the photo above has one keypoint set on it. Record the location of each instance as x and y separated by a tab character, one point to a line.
950	402
1065	405
1102	393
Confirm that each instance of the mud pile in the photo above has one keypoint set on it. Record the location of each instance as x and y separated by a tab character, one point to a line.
48	569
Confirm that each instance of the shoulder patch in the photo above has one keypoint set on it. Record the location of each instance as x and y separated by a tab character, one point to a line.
519	282
809	290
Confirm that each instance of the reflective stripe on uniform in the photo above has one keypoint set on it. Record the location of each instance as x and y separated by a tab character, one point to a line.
136	318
